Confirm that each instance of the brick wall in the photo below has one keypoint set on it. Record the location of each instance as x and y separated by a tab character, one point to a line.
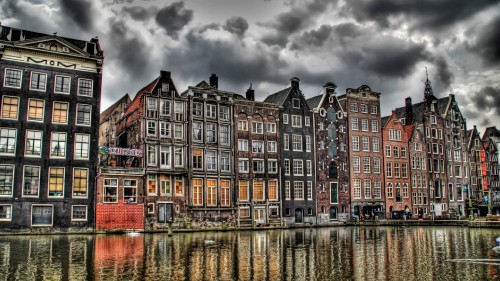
120	216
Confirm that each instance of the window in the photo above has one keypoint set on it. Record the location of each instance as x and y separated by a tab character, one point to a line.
395	151
308	167
258	146
272	146
62	85
403	152
211	110
397	173
13	78
373	109
60	113
211	192
224	134
363	108
298	167
458	171
56	182
309	192
296	121
165	157
58	145
243	165
296	103
179	186
364	125
433	119
389	169
80	182
286	142
82	143
272	187
394	135
35	110
376	189
368	189
333	170
366	164
10	107
31	182
243	190
85	87
357	189
272	166
242	145
366	143
33	143
211	160
285	118
307	121
165	130
287	166
387	151
197	131
298	190
376	165
197	159
297	142
257	127
225	161
165	186
404	170
354	107
165	107
110	190
211	133
78	213
390	190
374	126
6	180
225	193
38	81
224	113
179	110
355	143
83	114
178	131
151	185
5	212
308	143
151	154
258	190
41	215
288	194
271	127
8	141
258	166
198	109
178	157
355	164
354	124
242	125
151	128
375	144
334	193
405	190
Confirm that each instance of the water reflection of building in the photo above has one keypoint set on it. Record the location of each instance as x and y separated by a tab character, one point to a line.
118	256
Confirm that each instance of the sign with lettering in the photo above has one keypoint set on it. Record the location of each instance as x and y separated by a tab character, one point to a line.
120	151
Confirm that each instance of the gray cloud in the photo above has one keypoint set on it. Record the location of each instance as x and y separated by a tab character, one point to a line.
313	38
444	75
236	25
428	14
173	18
211	26
487	44
487	99
80	11
140	13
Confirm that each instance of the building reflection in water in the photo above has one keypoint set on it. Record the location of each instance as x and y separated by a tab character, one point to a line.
360	253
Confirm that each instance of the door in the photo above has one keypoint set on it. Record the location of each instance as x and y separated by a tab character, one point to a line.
333	213
299	216
165	212
259	215
437	209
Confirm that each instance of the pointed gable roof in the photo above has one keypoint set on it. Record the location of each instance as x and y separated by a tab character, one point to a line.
315	102
136	102
278	98
105	115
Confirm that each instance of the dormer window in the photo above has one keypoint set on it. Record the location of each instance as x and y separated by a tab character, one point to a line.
296	103
165	87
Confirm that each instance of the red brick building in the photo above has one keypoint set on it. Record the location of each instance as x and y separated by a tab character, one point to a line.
396	137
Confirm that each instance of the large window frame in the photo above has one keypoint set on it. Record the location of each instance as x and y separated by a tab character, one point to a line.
56	182
80	182
31	181
8	141
62	84
13	78
6	180
83	114
10	107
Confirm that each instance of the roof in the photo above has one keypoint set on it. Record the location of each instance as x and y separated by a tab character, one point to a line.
136	103
278	98
384	120
106	114
314	102
419	109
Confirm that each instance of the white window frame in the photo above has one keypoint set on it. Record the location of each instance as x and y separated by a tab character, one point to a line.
89	113
36	108
37	179
44	82
80	156
10	141
40	140
69	85
53	111
211	111
73	212
20	80
42	205
296	121
52	148
3	107
8	213
82	80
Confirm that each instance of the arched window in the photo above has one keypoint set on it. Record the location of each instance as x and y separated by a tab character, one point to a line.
323	209
332	131
333	170
332	150
330	114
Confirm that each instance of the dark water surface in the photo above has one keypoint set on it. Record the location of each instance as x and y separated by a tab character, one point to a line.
342	253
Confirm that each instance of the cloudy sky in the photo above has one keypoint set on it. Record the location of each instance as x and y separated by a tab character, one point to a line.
385	44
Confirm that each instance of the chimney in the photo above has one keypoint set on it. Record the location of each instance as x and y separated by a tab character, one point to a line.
330	88
295	82
165	74
408	111
250	93
214	81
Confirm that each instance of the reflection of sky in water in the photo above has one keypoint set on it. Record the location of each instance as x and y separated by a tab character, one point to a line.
362	253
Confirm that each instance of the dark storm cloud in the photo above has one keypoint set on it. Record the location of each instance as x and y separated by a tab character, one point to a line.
426	14
236	25
79	11
211	26
140	13
292	21
173	18
317	37
487	99
444	75
487	44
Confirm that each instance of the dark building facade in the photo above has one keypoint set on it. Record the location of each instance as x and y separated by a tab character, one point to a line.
257	158
491	141
298	168
50	91
331	153
478	173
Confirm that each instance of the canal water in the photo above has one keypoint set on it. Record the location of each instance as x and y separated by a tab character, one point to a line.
340	253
